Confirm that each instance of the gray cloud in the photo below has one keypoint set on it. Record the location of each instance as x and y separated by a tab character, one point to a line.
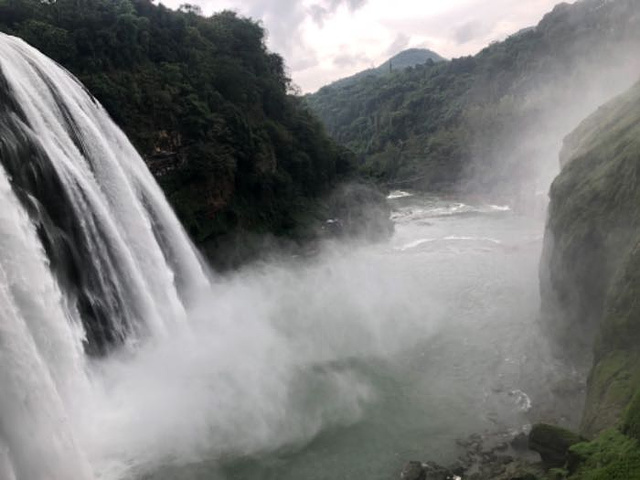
400	43
282	19
469	31
321	11
303	62
348	60
318	14
471	21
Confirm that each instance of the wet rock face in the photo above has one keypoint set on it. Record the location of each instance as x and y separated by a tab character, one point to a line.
590	269
552	443
413	471
520	442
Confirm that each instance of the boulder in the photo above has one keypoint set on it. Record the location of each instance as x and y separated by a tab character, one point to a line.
552	443
413	471
433	471
520	442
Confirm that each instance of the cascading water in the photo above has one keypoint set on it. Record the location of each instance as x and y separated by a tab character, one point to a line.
91	257
103	221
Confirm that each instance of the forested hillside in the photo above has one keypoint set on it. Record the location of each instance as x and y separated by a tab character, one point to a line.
493	121
203	100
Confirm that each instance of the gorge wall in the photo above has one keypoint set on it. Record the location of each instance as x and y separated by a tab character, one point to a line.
590	271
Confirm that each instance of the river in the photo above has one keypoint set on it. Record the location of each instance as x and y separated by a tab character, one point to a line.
394	350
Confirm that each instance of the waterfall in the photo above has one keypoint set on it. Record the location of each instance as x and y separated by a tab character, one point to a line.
92	259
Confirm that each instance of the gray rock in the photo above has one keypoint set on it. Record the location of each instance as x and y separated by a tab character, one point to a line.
520	442
433	471
552	443
413	471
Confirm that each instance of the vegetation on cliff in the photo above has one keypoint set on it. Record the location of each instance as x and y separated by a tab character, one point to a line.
489	119
612	456
591	264
590	277
204	101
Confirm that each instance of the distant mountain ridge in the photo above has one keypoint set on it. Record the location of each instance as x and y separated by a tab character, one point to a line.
410	58
401	61
491	122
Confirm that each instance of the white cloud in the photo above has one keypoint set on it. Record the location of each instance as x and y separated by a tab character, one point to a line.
324	40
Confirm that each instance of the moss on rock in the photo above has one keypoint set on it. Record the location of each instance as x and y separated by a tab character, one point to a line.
631	424
552	443
612	383
590	272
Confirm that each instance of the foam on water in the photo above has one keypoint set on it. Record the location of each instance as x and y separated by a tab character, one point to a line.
397	194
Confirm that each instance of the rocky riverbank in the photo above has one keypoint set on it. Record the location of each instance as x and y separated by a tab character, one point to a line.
501	455
535	452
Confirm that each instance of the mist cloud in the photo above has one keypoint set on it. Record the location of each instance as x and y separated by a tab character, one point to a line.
235	382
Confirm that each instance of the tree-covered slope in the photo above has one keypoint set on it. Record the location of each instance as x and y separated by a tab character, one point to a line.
495	119
203	100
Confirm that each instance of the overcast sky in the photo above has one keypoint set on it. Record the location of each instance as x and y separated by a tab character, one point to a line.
324	40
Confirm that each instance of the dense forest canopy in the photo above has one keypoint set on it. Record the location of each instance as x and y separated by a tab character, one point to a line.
488	120
204	101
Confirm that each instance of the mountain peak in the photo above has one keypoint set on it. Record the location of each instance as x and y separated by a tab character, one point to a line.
401	61
410	58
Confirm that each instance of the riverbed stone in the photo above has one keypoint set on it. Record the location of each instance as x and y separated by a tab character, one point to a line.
413	471
433	471
520	442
